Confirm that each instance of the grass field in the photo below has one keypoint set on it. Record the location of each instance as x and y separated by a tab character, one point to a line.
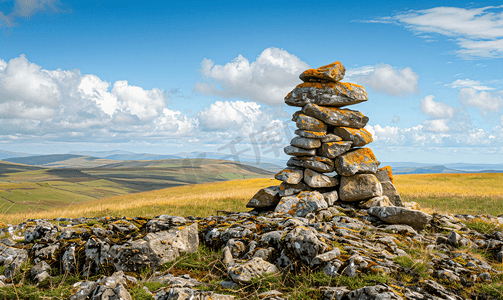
28	189
449	193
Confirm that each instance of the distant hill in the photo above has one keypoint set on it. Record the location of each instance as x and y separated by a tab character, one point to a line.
8	154
420	168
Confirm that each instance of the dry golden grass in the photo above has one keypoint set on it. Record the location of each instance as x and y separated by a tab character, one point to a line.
452	193
196	200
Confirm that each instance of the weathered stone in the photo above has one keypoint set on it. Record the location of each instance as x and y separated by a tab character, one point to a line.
331	197
332	72
336	94
376	292
290	175
334	149
325	257
68	260
39	272
84	289
302	204
399	215
385	174
305	143
317	163
296	151
331	138
286	189
122	227
266	197
310	134
227	256
12	259
253	268
318	180
336	116
361	160
335	293
113	287
304	243
186	293
44	251
164	222
177	281
332	268
359	187
310	124
359	137
40	229
389	190
376	201
97	254
155	249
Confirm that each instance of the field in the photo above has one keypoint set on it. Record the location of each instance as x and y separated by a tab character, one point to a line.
454	193
27	189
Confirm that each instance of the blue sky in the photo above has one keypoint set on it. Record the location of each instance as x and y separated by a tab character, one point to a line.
171	76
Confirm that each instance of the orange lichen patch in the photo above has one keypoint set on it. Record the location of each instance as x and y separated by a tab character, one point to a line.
331	72
318	85
390	173
360	156
367	136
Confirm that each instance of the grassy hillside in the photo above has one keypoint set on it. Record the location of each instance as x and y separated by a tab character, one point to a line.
455	193
30	189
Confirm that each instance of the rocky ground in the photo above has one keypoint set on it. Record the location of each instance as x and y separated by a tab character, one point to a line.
341	252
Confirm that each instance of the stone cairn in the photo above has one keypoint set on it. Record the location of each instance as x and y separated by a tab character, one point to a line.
329	139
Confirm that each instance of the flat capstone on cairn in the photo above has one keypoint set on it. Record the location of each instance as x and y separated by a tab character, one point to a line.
330	161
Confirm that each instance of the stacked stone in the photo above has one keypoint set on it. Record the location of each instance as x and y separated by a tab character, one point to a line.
329	139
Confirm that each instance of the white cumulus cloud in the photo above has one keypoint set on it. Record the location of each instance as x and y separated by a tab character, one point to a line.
26	9
385	79
266	80
437	126
483	100
229	115
437	110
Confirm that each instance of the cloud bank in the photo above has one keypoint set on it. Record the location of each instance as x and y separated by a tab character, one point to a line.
266	80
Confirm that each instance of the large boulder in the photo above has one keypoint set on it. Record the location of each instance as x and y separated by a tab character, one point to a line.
359	187
318	180
40	230
12	259
361	160
317	163
332	72
359	137
336	116
401	215
264	198
384	174
310	124
336	94
290	175
155	249
334	149
286	189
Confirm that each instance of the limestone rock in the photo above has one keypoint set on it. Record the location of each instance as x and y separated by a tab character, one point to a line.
317	180
389	190
336	116
385	174
334	149
155	249
325	257
290	175
331	138
336	94
286	189
186	293
41	229
376	292
12	259
253	268
302	204
266	197
332	72
310	134
359	187
305	143
317	163
39	272
376	201
331	197
84	289
310	124
296	151
400	215
304	243
359	137
361	160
